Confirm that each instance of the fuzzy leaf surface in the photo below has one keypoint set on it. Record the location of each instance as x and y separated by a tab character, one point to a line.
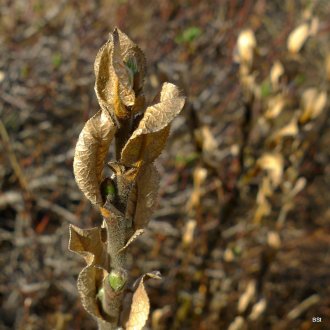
111	70
88	244
140	306
90	154
148	140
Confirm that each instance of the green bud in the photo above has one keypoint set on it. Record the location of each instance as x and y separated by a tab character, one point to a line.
132	69
117	280
108	189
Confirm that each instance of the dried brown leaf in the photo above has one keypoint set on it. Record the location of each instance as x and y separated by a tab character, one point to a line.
140	306
90	154
146	195
126	92
112	74
88	244
136	234
148	140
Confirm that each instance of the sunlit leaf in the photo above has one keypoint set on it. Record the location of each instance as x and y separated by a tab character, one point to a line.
313	102
140	306
246	43
273	163
291	129
90	155
147	191
275	106
246	297
126	92
297	38
88	244
148	140
113	71
276	72
136	234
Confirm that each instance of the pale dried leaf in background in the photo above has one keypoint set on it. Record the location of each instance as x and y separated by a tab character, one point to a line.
246	43
258	309
205	139
140	306
291	129
275	106
274	240
273	163
200	174
247	296
188	232
313	102
237	324
276	72
90	155
148	140
297	38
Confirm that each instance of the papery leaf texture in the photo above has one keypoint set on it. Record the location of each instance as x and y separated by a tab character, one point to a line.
140	306
115	77
88	244
90	155
148	140
147	191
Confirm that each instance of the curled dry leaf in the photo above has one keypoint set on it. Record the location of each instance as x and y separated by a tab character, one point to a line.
88	244
136	234
143	198
119	69
148	140
90	154
313	102
140	306
297	38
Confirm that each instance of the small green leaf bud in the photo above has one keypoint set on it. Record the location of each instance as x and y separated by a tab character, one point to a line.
117	279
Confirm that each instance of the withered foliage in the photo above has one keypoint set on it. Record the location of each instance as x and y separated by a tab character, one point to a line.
127	199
